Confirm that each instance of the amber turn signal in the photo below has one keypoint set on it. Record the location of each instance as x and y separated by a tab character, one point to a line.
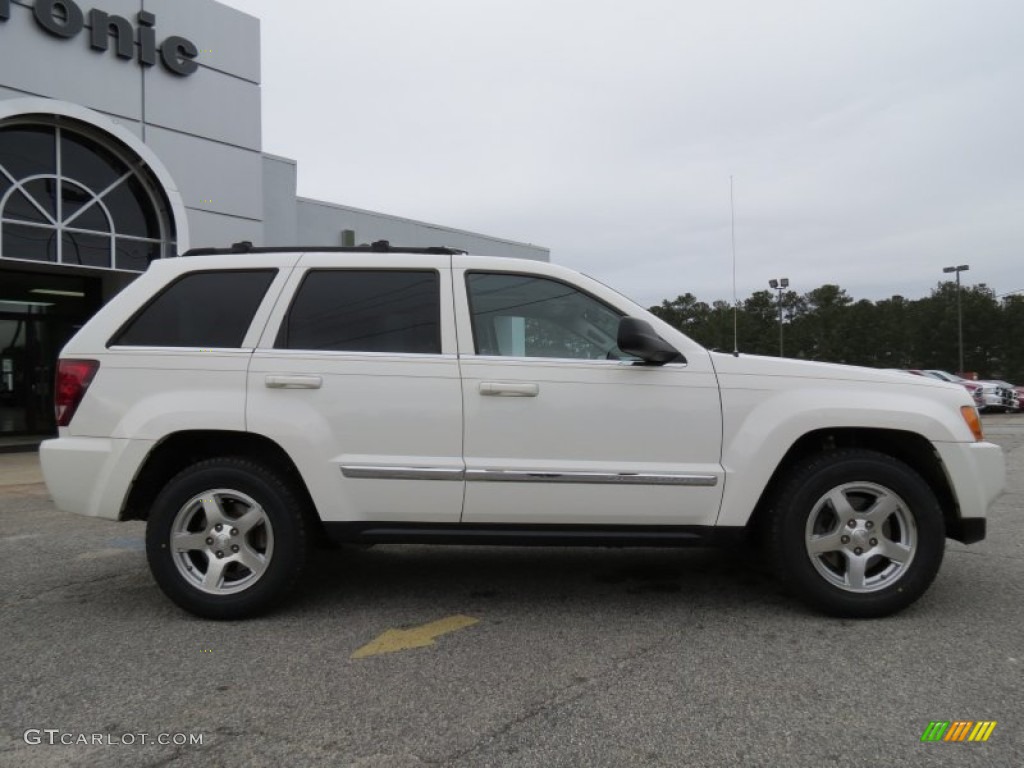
970	414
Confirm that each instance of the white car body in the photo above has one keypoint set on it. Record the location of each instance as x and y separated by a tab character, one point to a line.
514	440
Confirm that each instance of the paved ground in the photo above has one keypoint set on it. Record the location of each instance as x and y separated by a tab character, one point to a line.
577	658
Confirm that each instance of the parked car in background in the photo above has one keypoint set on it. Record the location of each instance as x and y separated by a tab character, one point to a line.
989	396
973	388
1010	393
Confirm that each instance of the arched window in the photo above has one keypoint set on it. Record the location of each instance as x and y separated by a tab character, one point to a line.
69	197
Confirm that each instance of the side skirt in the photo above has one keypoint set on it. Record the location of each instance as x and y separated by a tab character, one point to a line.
536	535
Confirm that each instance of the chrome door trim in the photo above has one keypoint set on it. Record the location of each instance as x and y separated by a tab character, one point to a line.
366	472
372	472
604	478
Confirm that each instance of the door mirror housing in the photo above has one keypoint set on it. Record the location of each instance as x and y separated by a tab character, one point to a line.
636	337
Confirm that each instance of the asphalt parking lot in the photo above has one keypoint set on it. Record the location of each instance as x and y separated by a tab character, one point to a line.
539	657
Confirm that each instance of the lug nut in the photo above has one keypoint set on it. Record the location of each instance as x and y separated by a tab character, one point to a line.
209	540
869	524
234	531
852	524
217	527
221	554
845	539
874	542
856	551
234	547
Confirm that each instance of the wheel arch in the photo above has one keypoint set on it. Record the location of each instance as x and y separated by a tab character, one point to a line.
912	449
179	450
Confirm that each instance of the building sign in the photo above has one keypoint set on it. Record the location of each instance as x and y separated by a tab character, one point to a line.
64	19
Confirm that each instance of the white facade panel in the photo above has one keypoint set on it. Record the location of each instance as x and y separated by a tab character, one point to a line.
215	230
126	8
228	40
280	225
208	104
211	176
320	222
41	64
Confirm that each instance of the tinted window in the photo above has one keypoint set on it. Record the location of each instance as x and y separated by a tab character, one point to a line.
26	151
202	309
366	311
527	316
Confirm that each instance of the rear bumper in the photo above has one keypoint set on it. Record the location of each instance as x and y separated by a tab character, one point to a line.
977	472
91	475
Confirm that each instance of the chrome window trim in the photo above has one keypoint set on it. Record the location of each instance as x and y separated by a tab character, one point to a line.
354	354
590	362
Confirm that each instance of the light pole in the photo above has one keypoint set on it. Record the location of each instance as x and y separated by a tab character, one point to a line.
778	285
959	312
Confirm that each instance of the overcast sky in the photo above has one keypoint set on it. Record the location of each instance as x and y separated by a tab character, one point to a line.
871	142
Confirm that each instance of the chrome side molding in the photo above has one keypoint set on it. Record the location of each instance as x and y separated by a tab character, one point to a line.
604	478
524	476
403	473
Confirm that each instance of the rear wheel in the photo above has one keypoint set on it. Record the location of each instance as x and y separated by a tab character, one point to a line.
226	538
856	533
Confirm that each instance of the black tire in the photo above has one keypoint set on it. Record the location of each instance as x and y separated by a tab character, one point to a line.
874	567
258	561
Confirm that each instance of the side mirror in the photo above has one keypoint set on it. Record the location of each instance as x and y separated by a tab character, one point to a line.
637	338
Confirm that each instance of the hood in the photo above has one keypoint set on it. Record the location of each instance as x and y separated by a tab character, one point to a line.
756	365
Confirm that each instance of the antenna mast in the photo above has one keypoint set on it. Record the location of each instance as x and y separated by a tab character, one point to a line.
735	308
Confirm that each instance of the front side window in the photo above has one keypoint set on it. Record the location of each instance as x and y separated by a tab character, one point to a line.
529	316
347	310
200	309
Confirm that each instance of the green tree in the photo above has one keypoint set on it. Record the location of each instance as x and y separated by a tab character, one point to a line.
820	330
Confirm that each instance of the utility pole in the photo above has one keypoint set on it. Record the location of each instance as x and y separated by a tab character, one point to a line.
959	312
779	285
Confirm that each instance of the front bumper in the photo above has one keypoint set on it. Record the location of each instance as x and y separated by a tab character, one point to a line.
977	473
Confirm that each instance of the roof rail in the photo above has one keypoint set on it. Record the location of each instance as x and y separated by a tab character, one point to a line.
380	246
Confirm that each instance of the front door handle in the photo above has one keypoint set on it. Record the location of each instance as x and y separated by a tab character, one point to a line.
281	381
509	389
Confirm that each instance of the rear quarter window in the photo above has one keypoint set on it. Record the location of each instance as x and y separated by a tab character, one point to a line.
199	309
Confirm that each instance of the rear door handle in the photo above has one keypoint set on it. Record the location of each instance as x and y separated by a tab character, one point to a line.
280	381
509	389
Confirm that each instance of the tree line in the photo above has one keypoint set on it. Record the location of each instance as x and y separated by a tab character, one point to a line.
827	324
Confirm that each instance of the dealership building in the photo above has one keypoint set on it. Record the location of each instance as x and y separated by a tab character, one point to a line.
130	130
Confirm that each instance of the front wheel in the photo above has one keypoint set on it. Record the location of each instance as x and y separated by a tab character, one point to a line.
856	533
226	538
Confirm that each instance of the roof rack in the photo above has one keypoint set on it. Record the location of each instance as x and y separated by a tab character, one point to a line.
380	246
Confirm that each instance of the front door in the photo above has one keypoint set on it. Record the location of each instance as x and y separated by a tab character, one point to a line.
562	428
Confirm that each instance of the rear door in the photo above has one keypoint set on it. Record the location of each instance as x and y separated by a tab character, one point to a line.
357	378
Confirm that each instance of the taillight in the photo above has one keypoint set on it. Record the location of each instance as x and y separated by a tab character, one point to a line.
73	379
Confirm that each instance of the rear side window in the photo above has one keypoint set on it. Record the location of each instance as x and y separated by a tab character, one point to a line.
365	311
200	309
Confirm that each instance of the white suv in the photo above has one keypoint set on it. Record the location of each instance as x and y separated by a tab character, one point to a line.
247	402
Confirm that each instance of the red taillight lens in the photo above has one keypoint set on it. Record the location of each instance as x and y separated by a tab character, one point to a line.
73	378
